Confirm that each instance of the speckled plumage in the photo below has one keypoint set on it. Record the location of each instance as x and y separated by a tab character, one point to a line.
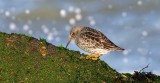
92	40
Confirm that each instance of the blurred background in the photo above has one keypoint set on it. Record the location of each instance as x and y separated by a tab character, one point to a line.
131	24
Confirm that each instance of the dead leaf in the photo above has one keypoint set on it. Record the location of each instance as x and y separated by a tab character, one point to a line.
43	50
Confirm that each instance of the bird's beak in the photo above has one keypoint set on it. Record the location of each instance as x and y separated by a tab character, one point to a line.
70	38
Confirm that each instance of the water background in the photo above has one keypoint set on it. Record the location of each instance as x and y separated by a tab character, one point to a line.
131	24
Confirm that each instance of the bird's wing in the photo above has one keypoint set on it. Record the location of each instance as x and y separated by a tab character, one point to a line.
109	44
91	35
100	38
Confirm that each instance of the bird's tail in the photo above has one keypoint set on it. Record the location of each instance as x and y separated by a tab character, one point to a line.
119	49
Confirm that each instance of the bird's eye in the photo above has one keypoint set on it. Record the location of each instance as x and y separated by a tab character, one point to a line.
73	33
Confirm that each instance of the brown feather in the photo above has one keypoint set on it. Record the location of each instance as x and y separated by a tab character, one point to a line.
101	38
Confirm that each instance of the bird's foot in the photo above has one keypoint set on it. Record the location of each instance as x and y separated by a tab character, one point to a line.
89	56
95	58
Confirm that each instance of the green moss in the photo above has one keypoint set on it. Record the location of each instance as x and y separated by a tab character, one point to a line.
44	41
22	61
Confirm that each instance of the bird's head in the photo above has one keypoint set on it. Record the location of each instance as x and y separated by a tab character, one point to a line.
73	33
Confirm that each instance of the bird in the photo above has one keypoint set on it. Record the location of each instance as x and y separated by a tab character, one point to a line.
92	41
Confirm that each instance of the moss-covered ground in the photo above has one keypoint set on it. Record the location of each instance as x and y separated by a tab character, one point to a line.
27	59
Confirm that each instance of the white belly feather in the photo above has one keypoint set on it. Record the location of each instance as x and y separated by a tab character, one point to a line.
99	51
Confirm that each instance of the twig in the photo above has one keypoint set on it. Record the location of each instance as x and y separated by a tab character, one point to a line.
144	68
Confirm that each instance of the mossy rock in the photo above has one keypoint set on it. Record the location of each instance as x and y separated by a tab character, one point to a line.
27	59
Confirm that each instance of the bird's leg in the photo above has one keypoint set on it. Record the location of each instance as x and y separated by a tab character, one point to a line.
99	55
89	56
